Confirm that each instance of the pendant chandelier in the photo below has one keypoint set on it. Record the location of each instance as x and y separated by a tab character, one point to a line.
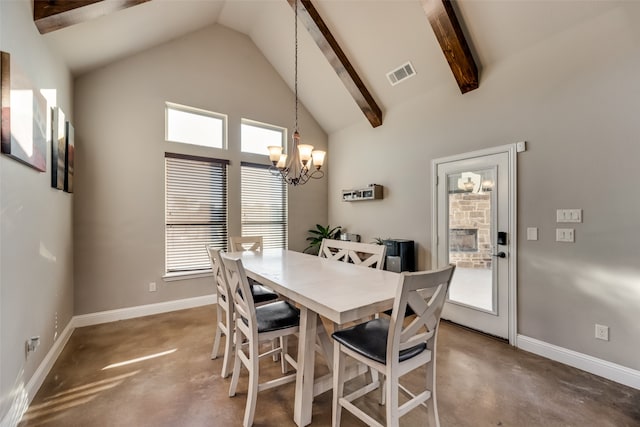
303	162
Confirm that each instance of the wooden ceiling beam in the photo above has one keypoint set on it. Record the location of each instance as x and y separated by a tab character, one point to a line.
331	49
445	25
51	15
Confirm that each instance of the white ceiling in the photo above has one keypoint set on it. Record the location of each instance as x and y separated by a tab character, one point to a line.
376	35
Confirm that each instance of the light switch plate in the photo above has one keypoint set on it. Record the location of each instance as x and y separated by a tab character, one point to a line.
569	215
532	233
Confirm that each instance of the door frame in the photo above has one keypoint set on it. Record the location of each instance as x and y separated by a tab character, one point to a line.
512	152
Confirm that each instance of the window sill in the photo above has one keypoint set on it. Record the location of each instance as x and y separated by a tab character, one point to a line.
186	275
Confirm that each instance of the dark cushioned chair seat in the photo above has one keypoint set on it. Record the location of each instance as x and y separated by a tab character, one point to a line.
407	312
277	315
370	340
260	293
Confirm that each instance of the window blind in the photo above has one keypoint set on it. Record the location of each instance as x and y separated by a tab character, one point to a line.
196	210
264	205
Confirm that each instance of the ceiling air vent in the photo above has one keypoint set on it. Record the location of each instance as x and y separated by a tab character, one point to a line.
401	73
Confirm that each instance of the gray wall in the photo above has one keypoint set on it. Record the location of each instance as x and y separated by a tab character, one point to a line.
36	242
119	199
575	98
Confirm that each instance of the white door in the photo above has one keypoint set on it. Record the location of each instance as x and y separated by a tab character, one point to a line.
474	202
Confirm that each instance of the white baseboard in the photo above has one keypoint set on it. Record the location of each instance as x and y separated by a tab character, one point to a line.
141	310
20	405
23	395
47	363
618	373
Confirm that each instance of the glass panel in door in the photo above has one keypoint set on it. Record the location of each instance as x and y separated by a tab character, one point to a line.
471	229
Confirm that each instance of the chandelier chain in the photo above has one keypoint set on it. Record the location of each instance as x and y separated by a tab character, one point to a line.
294	167
295	79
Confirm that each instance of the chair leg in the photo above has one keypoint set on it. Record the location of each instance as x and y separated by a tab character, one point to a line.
432	403
236	365
393	419
216	343
252	392
228	355
284	341
338	383
383	387
229	344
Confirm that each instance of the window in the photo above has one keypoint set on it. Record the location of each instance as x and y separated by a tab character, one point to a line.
256	137
194	126
196	210
264	205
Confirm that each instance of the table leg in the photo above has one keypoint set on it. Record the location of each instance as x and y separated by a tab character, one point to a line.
306	359
326	344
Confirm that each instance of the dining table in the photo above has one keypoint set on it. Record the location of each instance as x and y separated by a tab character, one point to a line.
338	291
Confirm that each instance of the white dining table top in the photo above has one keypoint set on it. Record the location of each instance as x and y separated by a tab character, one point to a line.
336	290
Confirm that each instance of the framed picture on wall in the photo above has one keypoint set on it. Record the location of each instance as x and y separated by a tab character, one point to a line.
69	158
58	147
23	135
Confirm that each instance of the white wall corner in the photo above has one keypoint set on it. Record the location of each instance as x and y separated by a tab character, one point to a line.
618	373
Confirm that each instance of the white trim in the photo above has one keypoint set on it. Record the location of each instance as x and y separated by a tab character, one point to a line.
20	405
513	247
141	310
47	363
186	275
614	372
511	150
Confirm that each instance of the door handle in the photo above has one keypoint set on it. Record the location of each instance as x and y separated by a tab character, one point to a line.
499	255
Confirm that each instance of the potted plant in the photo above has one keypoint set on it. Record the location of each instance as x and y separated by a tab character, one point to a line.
319	233
378	241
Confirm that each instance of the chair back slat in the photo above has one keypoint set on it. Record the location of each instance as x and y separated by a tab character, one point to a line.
365	254
425	292
245	243
239	288
219	276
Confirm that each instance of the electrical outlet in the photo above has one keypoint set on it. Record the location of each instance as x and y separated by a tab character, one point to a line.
602	332
152	287
32	344
565	235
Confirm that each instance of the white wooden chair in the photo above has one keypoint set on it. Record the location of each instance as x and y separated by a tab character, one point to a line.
261	294
245	243
224	311
393	349
365	254
266	323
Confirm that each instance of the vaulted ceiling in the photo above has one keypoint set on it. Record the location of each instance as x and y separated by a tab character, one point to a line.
376	36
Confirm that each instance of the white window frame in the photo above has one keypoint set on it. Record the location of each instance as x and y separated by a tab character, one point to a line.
257	124
200	112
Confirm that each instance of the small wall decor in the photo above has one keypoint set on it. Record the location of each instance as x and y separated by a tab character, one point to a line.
58	147
23	135
372	192
69	158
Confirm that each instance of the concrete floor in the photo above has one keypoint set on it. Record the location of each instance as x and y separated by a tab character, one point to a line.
169	380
